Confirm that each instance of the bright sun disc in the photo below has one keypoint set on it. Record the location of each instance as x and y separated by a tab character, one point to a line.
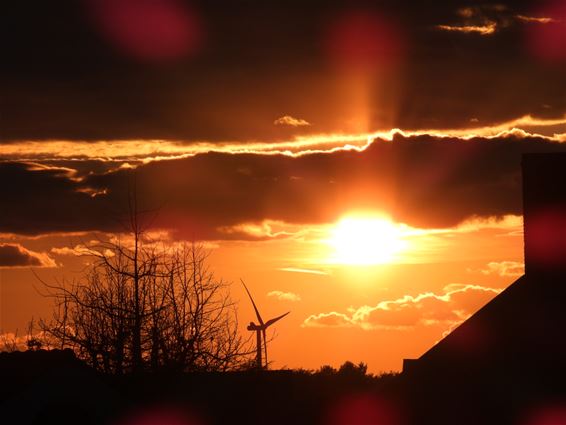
366	241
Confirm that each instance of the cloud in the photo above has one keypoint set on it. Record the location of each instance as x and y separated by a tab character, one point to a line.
425	181
487	19
482	20
266	230
505	268
487	28
284	296
47	200
303	270
291	121
15	255
80	158
455	304
65	250
328	320
534	19
11	341
90	249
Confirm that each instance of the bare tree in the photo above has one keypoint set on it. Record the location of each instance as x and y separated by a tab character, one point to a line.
146	305
33	341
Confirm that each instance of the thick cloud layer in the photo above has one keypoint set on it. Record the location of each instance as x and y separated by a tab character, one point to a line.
424	181
41	200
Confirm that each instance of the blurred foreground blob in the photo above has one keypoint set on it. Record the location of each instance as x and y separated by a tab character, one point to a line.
148	30
364	40
362	409
160	415
546	39
547	238
552	415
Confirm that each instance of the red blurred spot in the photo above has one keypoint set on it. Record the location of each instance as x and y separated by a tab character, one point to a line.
547	237
160	416
362	409
364	40
554	415
474	342
547	41
149	30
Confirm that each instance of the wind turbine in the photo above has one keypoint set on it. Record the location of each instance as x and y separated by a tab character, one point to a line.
260	331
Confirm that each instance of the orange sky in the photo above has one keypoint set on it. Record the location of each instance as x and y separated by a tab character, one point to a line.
376	313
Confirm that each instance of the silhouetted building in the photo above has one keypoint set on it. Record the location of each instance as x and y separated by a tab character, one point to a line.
544	212
510	357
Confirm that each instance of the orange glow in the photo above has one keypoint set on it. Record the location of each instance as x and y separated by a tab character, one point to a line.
366	241
446	275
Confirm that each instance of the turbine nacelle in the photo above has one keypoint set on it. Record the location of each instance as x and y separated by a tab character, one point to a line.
253	327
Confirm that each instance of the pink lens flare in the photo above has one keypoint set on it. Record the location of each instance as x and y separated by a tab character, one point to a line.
549	415
363	409
546	38
160	415
547	237
364	40
148	30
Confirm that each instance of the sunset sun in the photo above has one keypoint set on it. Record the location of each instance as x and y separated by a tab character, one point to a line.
366	241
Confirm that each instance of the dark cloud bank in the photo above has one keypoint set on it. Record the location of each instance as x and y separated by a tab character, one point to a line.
15	255
422	180
64	77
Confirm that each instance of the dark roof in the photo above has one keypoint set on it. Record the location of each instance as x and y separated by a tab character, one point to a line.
521	328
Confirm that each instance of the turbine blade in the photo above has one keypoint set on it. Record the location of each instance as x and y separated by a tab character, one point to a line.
272	321
253	303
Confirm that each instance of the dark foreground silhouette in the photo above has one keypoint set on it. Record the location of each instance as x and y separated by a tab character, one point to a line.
55	388
507	363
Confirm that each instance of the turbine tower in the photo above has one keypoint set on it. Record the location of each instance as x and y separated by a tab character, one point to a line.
260	329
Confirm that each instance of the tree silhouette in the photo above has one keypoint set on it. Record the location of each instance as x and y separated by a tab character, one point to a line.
146	305
350	369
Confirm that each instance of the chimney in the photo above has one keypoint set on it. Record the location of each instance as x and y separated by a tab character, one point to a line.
544	212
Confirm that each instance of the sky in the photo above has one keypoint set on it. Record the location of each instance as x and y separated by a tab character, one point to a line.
356	163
